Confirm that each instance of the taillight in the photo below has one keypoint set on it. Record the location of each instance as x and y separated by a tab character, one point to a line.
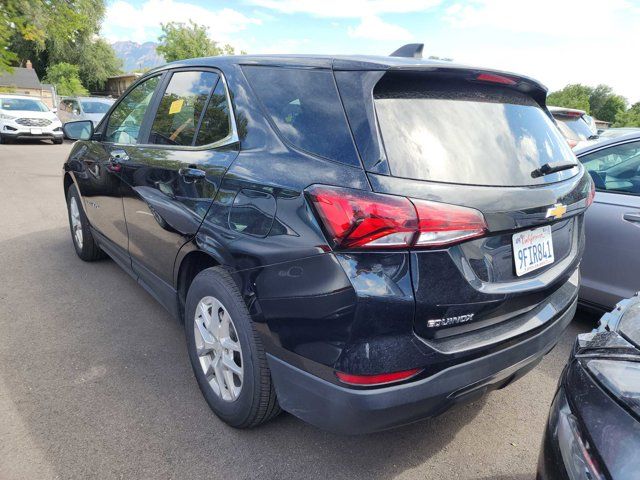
379	379
358	219
440	223
592	193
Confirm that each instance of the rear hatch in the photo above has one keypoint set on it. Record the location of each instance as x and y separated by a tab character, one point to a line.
479	141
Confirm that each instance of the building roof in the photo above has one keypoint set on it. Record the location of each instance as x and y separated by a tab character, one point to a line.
20	78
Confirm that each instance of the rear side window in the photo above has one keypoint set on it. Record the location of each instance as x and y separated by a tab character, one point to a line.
306	109
181	107
216	123
467	133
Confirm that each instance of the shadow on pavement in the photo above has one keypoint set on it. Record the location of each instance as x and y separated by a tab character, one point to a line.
98	372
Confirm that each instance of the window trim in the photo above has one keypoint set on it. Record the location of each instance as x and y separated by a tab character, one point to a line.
154	104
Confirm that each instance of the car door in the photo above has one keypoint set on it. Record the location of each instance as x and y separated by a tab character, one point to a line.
611	262
172	178
100	183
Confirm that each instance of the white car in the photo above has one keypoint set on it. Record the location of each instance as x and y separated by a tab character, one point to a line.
27	117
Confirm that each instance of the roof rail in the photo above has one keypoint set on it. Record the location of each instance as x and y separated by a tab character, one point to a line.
410	50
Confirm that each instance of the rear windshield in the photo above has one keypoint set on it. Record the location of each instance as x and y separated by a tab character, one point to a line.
95	107
462	132
574	128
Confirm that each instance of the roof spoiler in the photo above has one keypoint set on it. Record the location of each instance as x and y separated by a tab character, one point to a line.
410	50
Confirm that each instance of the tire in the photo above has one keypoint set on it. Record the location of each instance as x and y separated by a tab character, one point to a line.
58	141
83	242
3	140
256	401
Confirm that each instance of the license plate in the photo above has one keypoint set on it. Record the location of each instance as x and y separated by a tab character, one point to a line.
36	131
532	249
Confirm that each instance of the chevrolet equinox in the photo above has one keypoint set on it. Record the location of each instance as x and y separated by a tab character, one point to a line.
360	241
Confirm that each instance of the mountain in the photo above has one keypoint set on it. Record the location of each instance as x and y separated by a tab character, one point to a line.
136	56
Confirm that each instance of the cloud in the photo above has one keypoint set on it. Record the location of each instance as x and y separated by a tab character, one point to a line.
586	18
346	9
374	28
125	21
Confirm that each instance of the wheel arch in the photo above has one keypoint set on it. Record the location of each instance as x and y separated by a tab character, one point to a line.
190	265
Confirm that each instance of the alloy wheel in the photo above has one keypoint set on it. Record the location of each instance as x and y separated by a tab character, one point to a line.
218	348
76	223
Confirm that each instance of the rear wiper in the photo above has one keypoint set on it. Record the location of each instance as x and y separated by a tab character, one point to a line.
595	136
552	167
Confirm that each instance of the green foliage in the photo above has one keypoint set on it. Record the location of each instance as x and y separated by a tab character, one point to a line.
49	32
66	79
599	102
180	41
571	96
629	118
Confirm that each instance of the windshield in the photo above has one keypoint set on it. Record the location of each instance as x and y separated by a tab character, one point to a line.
458	132
573	128
95	106
24	104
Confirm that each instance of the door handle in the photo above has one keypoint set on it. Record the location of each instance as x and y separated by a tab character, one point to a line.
632	217
118	156
192	173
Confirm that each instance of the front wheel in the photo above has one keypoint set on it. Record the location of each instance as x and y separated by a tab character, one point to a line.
226	353
58	141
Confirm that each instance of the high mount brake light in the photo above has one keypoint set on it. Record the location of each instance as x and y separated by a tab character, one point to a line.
493	78
379	379
358	219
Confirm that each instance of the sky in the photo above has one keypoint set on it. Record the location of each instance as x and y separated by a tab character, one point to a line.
555	41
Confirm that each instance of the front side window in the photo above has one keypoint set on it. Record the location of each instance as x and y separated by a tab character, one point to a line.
126	119
615	169
181	107
305	107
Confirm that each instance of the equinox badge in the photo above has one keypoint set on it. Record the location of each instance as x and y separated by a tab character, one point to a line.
447	321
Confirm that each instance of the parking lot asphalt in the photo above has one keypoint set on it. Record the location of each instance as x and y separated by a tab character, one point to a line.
95	381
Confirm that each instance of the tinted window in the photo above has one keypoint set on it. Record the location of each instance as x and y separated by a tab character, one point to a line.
126	119
215	123
95	107
181	106
305	106
24	104
467	133
616	168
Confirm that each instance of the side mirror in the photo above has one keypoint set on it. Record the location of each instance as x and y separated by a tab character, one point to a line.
80	130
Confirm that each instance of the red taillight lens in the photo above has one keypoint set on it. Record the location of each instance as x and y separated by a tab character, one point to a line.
493	78
379	379
357	219
592	193
440	223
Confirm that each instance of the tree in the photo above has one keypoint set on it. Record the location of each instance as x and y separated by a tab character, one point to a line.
629	118
97	62
571	96
49	32
66	79
180	41
612	106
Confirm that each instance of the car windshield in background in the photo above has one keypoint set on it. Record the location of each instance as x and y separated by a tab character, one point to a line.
95	107
23	104
465	133
574	128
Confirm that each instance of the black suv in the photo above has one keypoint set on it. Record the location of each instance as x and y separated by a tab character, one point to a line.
360	241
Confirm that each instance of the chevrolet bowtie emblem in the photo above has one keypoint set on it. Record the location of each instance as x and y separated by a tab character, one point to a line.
557	211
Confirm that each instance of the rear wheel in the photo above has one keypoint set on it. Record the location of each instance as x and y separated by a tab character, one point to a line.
83	241
58	141
226	353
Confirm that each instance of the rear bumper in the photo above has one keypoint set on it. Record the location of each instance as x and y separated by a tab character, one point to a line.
353	411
